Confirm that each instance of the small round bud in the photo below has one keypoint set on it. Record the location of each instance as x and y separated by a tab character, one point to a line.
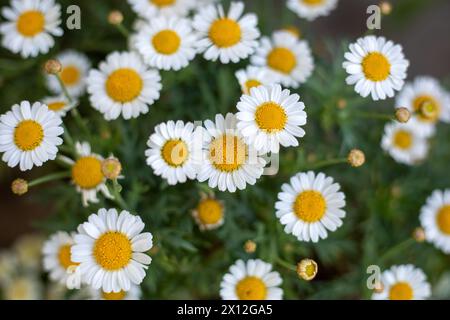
115	17
419	234
154	250
294	31
402	115
19	187
342	103
379	287
396	191
250	246
386	7
53	66
111	168
356	158
307	269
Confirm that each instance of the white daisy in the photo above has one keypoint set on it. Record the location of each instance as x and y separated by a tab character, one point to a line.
288	58
133	294
87	174
59	104
403	282
57	258
311	9
150	9
30	26
229	163
123	85
404	142
228	37
110	249
435	219
171	151
310	205
270	117
29	135
252	77
375	66
251	280
209	213
75	68
171	45
428	100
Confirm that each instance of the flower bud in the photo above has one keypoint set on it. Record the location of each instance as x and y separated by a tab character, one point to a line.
402	115
19	187
250	246
386	7
307	269
115	17
356	158
111	168
53	66
419	234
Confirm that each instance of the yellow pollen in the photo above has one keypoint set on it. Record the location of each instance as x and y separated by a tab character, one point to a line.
124	85
251	83
271	117
175	152
443	219
228	153
64	257
310	206
401	291
162	3
310	270
70	75
403	139
31	23
166	42
251	288
56	106
225	33
209	211
114	295
312	2
282	60
376	67
28	135
112	251
427	108
87	172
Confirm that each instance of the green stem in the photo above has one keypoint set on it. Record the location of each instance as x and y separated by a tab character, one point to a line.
124	31
63	88
80	122
67	136
117	196
397	248
50	177
327	163
286	264
373	115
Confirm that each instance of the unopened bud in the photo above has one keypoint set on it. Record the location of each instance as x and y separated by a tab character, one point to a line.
19	187
250	246
53	66
307	269
115	17
342	103
402	115
111	168
386	7
356	158
419	234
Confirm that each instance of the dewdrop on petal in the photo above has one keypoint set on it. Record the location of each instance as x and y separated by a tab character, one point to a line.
111	168
19	187
307	269
53	66
402	115
115	17
419	234
386	7
356	158
250	246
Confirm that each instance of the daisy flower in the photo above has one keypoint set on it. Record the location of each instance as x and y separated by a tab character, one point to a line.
171	151
29	135
428	100
172	43
311	9
375	66
133	294
24	287
403	282
270	116
435	219
123	85
57	258
252	77
75	68
150	9
209	213
288	58
228	37
59	104
310	206
404	142
229	162
30	26
110	249
251	280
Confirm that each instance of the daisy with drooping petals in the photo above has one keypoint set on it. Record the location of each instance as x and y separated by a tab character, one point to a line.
75	68
270	117
150	9
172	43
29	135
134	293
288	58
435	219
110	249
311	9
59	105
229	163
171	151
376	67
404	142
57	257
123	85
228	37
403	282
209	213
87	174
252	77
251	280
30	26
310	206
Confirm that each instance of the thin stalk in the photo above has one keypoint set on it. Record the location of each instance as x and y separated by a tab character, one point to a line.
397	248
327	163
286	264
48	178
117	196
124	31
373	115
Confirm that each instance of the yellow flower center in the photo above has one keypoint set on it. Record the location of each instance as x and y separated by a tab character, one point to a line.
251	288
112	251
310	206
312	2
251	83
427	108
175	152
209	211
114	295
376	67
310	270
271	117
87	172
166	42
31	23
225	33
228	153
124	85
403	139
443	219
28	135
282	60
64	257
70	75
401	291
56	106
162	3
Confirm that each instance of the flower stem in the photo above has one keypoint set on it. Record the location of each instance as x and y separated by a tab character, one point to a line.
63	88
397	248
50	177
327	163
373	115
286	264
124	31
116	188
